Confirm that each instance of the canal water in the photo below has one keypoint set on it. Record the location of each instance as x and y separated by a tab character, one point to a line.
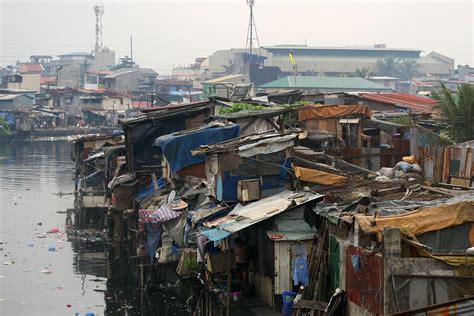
41	272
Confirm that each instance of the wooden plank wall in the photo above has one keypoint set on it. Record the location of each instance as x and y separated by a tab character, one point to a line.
264	289
441	164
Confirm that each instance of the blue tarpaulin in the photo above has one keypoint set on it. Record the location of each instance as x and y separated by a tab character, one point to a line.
9	118
176	147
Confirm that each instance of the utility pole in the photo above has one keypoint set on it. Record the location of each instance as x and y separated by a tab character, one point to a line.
99	11
131	48
152	97
252	28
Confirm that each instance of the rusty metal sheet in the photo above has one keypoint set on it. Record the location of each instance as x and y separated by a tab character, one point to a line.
364	287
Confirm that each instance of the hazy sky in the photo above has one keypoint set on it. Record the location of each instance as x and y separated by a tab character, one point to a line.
167	33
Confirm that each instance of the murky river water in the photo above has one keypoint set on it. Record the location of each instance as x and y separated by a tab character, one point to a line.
36	179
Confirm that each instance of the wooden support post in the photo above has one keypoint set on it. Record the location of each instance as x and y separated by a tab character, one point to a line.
229	278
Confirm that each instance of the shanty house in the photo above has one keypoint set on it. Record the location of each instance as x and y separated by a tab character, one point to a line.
128	80
16	101
141	132
249	167
344	121
398	102
175	148
393	256
257	121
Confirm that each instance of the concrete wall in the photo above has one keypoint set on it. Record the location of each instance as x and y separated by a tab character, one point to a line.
418	292
124	83
117	104
104	60
70	76
31	82
222	58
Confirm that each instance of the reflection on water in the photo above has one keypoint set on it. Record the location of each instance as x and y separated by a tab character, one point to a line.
36	186
42	273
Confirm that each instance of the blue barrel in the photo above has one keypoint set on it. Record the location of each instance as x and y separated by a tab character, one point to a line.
287	308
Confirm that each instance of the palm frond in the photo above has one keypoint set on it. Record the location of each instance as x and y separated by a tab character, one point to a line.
430	137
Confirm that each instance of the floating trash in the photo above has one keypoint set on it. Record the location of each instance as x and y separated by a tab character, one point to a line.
51	249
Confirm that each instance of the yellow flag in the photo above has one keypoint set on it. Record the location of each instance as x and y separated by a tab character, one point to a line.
292	59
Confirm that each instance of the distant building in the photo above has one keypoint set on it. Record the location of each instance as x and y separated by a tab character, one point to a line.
196	73
73	66
389	82
466	73
104	101
334	61
223	86
329	61
70	75
11	102
315	85
75	101
103	60
129	80
170	86
94	79
222	62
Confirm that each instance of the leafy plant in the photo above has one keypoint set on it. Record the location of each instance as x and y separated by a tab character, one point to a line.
238	107
362	73
406	69
4	127
457	112
431	137
388	66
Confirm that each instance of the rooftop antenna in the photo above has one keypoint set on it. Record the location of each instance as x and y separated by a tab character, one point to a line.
99	11
252	27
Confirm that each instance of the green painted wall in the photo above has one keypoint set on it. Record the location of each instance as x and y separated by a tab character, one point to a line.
334	272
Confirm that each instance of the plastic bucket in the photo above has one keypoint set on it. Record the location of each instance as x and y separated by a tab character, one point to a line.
287	308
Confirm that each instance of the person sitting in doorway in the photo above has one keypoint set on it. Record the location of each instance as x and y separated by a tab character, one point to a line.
242	261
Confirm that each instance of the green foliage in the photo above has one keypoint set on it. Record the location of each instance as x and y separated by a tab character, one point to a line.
125	62
362	73
457	113
404	69
387	66
238	107
432	138
4	127
191	265
299	103
407	69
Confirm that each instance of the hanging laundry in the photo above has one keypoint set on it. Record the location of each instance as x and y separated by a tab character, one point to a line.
153	239
300	271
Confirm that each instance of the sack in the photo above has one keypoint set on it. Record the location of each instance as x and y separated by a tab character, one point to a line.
416	168
409	159
387	172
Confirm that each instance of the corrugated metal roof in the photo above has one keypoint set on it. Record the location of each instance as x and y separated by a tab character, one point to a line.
357	48
76	54
412	102
31	67
245	216
223	79
334	83
6	97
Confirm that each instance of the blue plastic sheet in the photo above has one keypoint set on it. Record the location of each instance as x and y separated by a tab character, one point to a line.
176	147
9	118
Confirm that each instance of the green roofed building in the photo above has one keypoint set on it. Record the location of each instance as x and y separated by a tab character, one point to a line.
324	84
